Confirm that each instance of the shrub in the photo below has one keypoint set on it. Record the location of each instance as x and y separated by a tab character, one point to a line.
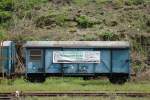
23	37
84	22
134	2
119	3
6	5
27	4
102	1
44	21
89	37
2	35
5	16
49	20
60	19
81	2
107	35
62	2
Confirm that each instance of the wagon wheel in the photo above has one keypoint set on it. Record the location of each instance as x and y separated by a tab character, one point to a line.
36	79
118	80
86	78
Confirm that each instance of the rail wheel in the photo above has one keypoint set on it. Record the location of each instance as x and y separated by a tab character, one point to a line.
86	78
36	79
118	80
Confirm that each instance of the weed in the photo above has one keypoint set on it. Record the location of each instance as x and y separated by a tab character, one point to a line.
60	19
2	35
102	1
72	84
27	4
86	98
23	37
84	21
5	16
51	19
89	37
107	35
81	2
6	5
134	2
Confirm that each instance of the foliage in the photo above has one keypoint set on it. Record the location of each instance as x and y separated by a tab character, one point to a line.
84	21
81	2
88	37
23	37
97	19
107	35
60	19
134	2
2	35
5	16
72	84
51	19
87	98
6	5
102	1
122	2
27	4
144	23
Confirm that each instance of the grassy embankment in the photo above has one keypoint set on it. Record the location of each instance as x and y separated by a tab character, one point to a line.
89	20
73	84
78	20
88	98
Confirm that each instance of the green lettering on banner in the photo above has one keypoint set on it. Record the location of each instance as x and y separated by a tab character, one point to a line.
76	56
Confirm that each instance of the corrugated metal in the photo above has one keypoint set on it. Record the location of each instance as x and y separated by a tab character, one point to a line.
78	44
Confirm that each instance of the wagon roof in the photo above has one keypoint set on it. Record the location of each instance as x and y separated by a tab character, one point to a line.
78	44
5	43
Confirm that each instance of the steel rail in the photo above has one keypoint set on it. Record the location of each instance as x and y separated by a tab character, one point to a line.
53	94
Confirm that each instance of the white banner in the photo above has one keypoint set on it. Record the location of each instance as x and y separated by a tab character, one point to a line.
76	56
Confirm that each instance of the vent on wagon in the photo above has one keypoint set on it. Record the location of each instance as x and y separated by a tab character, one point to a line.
35	55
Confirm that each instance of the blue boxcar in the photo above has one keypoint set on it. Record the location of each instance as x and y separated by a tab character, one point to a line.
78	58
7	58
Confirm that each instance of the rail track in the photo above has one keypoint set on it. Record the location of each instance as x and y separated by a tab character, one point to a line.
7	96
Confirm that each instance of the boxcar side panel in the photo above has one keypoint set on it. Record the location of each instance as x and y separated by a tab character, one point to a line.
51	67
78	68
5	60
34	59
8	58
120	61
70	68
105	62
13	58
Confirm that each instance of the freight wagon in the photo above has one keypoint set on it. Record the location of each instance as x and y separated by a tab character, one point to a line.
7	58
77	59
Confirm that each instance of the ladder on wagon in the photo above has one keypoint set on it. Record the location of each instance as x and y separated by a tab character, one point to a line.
1	60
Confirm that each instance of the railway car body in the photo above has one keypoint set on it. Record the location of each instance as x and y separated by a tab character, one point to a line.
78	58
7	58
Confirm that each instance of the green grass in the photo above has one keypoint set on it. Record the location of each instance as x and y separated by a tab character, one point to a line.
72	84
86	98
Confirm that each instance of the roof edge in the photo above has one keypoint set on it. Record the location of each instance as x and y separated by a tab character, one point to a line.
77	44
